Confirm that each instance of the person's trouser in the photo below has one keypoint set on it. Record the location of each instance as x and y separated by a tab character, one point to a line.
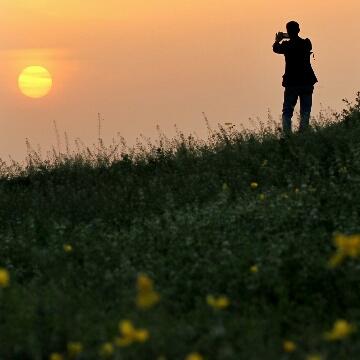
291	95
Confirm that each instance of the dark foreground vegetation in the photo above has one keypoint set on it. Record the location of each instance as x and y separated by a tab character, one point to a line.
246	215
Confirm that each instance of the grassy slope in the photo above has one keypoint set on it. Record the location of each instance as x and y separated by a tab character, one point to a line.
170	216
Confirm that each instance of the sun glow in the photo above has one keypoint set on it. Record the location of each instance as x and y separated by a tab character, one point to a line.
35	82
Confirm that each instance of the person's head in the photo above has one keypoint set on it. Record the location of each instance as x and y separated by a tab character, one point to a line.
293	29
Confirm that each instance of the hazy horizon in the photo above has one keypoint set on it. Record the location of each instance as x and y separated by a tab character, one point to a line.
147	63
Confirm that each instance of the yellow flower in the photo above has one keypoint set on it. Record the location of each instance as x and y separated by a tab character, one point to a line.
129	334
254	269
262	197
350	245
221	302
194	356
346	246
146	296
314	357
106	349
147	300
340	330
289	346
144	283
126	328
74	349
68	248
4	278
142	335
254	185
56	356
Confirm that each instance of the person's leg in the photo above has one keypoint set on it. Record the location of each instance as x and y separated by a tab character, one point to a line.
290	100
305	107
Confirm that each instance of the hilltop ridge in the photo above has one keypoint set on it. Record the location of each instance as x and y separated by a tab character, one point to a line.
250	216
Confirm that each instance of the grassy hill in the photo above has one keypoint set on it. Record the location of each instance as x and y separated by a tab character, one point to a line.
248	216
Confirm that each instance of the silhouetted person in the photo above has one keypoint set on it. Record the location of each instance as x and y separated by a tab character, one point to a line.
299	78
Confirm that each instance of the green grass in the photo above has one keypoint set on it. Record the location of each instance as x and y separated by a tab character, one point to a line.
165	211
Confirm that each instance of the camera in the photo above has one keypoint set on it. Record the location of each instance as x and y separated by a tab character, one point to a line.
284	35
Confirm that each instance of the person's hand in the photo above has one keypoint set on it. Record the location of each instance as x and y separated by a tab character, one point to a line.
279	36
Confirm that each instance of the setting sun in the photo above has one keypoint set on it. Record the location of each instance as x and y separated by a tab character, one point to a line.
35	82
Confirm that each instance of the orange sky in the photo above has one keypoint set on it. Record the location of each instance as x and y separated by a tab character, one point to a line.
142	63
